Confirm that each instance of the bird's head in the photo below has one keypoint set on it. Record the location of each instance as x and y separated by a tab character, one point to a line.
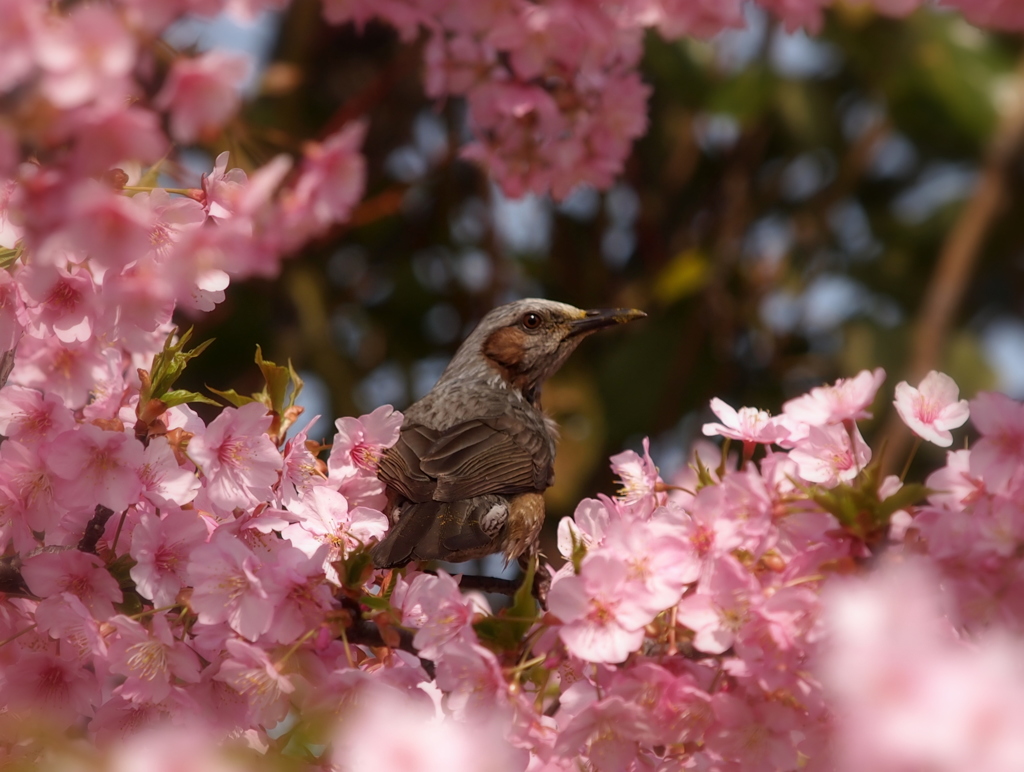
526	341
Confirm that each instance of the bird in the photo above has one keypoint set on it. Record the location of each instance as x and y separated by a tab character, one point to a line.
465	478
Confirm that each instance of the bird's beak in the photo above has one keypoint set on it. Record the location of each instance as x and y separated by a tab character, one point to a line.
600	318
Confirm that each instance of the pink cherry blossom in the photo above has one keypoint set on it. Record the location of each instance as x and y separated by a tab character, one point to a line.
720	606
307	596
67	371
587	526
86	56
110	227
32	417
359	443
250	671
322	517
846	399
331	181
104	135
230	586
161	547
952	486
151	659
29	486
60	302
393	730
757	735
301	471
96	467
657	557
81	574
1000	452
65	618
22	24
602	621
830	455
223	188
202	93
932	409
471	676
439	612
637	474
55	688
747	424
609	731
164	482
236	457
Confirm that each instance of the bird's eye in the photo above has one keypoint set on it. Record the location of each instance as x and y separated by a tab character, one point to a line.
531	321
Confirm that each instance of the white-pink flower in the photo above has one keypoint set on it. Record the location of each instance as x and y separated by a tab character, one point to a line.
393	731
81	574
747	424
999	455
150	659
250	671
720	607
932	409
96	467
56	688
638	476
237	457
442	614
164	482
323	516
602	620
846	399
830	455
32	417
360	442
228	586
202	93
86	55
161	548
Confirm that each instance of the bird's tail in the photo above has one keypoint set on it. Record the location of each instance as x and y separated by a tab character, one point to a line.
398	547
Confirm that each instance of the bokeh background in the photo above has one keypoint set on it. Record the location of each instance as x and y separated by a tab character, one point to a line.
801	208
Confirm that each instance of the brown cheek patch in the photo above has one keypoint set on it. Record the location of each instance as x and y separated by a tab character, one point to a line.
504	349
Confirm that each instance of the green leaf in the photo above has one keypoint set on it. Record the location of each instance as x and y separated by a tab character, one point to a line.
505	631
156	394
8	256
169	364
579	551
180	397
908	495
704	477
277	379
354	569
376	602
232	397
297	384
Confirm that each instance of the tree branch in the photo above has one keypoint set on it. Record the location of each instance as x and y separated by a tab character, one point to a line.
958	260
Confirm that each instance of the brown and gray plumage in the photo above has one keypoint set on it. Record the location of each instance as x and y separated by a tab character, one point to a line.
466	476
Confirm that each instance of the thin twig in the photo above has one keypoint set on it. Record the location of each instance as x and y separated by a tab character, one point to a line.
959	256
366	633
94	530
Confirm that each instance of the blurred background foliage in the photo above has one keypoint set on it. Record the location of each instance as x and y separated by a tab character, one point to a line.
801	208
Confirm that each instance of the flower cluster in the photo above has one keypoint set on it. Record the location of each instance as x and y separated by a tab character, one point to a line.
207	573
170	586
553	91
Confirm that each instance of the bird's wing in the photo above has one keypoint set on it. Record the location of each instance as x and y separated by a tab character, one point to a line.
400	465
488	455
